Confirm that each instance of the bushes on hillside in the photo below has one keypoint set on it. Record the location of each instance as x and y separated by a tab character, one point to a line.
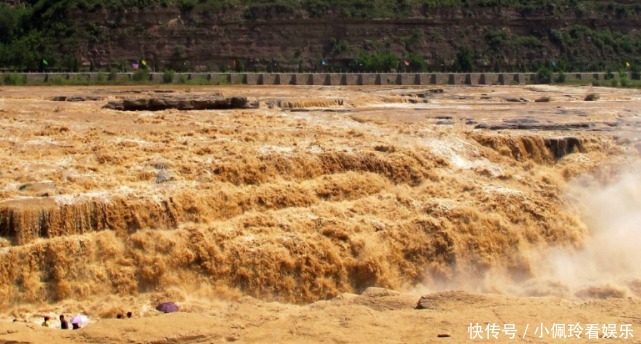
544	75
40	29
168	76
636	71
374	62
13	79
464	61
140	75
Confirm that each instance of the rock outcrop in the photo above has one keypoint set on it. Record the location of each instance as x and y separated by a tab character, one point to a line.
164	103
532	147
75	98
534	126
560	147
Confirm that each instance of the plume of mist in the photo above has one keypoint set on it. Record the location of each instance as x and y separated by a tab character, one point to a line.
610	256
606	264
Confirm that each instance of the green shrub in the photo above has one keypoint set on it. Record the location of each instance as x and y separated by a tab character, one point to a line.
623	78
198	81
239	66
14	79
187	5
223	81
560	78
496	39
417	62
168	76
113	75
56	81
374	62
636	72
544	75
141	75
464	61
528	42
608	74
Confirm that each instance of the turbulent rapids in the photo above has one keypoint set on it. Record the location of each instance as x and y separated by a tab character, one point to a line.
312	193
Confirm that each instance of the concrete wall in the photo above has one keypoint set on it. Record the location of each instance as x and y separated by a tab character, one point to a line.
267	79
408	79
285	79
388	79
334	79
34	78
304	79
366	79
251	79
489	79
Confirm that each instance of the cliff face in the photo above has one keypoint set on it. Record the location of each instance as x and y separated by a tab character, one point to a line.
168	37
273	38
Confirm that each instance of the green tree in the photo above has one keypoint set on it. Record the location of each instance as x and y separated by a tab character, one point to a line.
417	63
636	71
544	75
9	20
374	62
464	61
239	66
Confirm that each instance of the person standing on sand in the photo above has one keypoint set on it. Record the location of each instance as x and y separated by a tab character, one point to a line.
63	323
46	323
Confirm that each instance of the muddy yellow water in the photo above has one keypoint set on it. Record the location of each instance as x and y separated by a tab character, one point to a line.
317	192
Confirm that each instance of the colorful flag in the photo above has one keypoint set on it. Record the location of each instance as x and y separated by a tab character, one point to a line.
44	62
134	66
627	64
553	64
143	62
324	63
407	63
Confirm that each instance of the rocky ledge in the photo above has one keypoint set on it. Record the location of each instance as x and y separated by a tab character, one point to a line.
164	103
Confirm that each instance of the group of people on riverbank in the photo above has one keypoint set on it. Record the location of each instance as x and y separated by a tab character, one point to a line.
64	324
75	322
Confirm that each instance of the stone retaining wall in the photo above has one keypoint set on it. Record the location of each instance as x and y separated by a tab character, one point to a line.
329	79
